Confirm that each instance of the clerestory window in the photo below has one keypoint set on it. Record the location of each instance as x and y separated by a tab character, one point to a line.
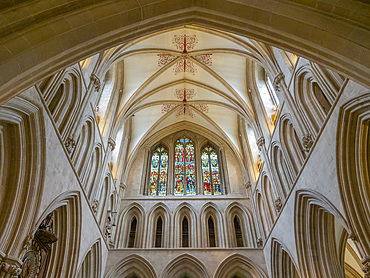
186	162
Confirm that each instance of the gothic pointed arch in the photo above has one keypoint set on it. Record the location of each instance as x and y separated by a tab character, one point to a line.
131	227
66	210
213	236
353	169
185	210
92	263
239	266
291	145
132	266
282	264
185	266
316	220
22	160
162	211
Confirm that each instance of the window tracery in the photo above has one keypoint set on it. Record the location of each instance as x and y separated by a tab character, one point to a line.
184	167
158	172
210	171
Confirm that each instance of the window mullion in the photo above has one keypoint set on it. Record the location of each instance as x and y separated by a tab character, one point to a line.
210	172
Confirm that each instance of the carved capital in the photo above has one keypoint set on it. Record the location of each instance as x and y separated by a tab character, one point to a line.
95	205
278	204
95	80
47	223
259	243
111	144
279	78
307	142
70	144
366	266
260	143
11	269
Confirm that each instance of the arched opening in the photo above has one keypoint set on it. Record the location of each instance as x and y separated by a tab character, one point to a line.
211	232
132	235
185	232
159	233
238	232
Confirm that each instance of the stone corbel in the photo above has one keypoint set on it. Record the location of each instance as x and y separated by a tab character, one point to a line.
111	144
95	205
280	77
261	143
95	81
70	144
366	266
9	269
278	204
307	142
259	243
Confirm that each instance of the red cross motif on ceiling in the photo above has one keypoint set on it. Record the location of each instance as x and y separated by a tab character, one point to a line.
187	109
184	43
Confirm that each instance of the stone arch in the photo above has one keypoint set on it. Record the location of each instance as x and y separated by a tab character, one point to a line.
291	145
85	145
185	265
66	209
237	264
239	18
268	196
247	224
353	170
316	221
185	209
282	264
265	223
63	95
92	171
130	266
309	100
159	210
22	159
281	169
124	223
212	210
91	265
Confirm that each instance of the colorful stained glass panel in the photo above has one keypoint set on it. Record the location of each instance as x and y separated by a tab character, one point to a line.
190	169
154	174
163	174
215	173
206	174
179	169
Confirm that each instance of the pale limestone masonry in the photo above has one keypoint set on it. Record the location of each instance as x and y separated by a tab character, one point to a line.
278	90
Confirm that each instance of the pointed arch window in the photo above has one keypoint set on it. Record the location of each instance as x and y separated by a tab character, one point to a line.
132	235
159	233
158	172
184	167
238	232
185	232
210	170
211	232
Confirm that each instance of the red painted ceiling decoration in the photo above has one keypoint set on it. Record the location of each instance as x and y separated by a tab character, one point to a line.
186	109
185	63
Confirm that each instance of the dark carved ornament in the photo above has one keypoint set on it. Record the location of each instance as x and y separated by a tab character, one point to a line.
36	259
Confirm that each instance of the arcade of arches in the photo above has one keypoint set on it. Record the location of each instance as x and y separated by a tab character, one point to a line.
195	139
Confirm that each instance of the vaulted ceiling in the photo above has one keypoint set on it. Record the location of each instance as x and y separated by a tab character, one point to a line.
187	77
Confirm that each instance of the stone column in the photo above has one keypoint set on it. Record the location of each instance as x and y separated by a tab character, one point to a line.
9	268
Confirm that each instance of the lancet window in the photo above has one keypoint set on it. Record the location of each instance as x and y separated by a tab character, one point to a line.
210	170
193	171
158	172
132	235
184	167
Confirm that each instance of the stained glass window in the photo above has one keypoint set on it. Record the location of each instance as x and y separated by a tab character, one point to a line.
184	167
158	172
210	170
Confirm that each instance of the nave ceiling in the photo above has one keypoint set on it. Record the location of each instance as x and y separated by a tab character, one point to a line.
204	88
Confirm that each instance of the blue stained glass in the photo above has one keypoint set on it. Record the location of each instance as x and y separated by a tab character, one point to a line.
210	170
158	173
184	167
